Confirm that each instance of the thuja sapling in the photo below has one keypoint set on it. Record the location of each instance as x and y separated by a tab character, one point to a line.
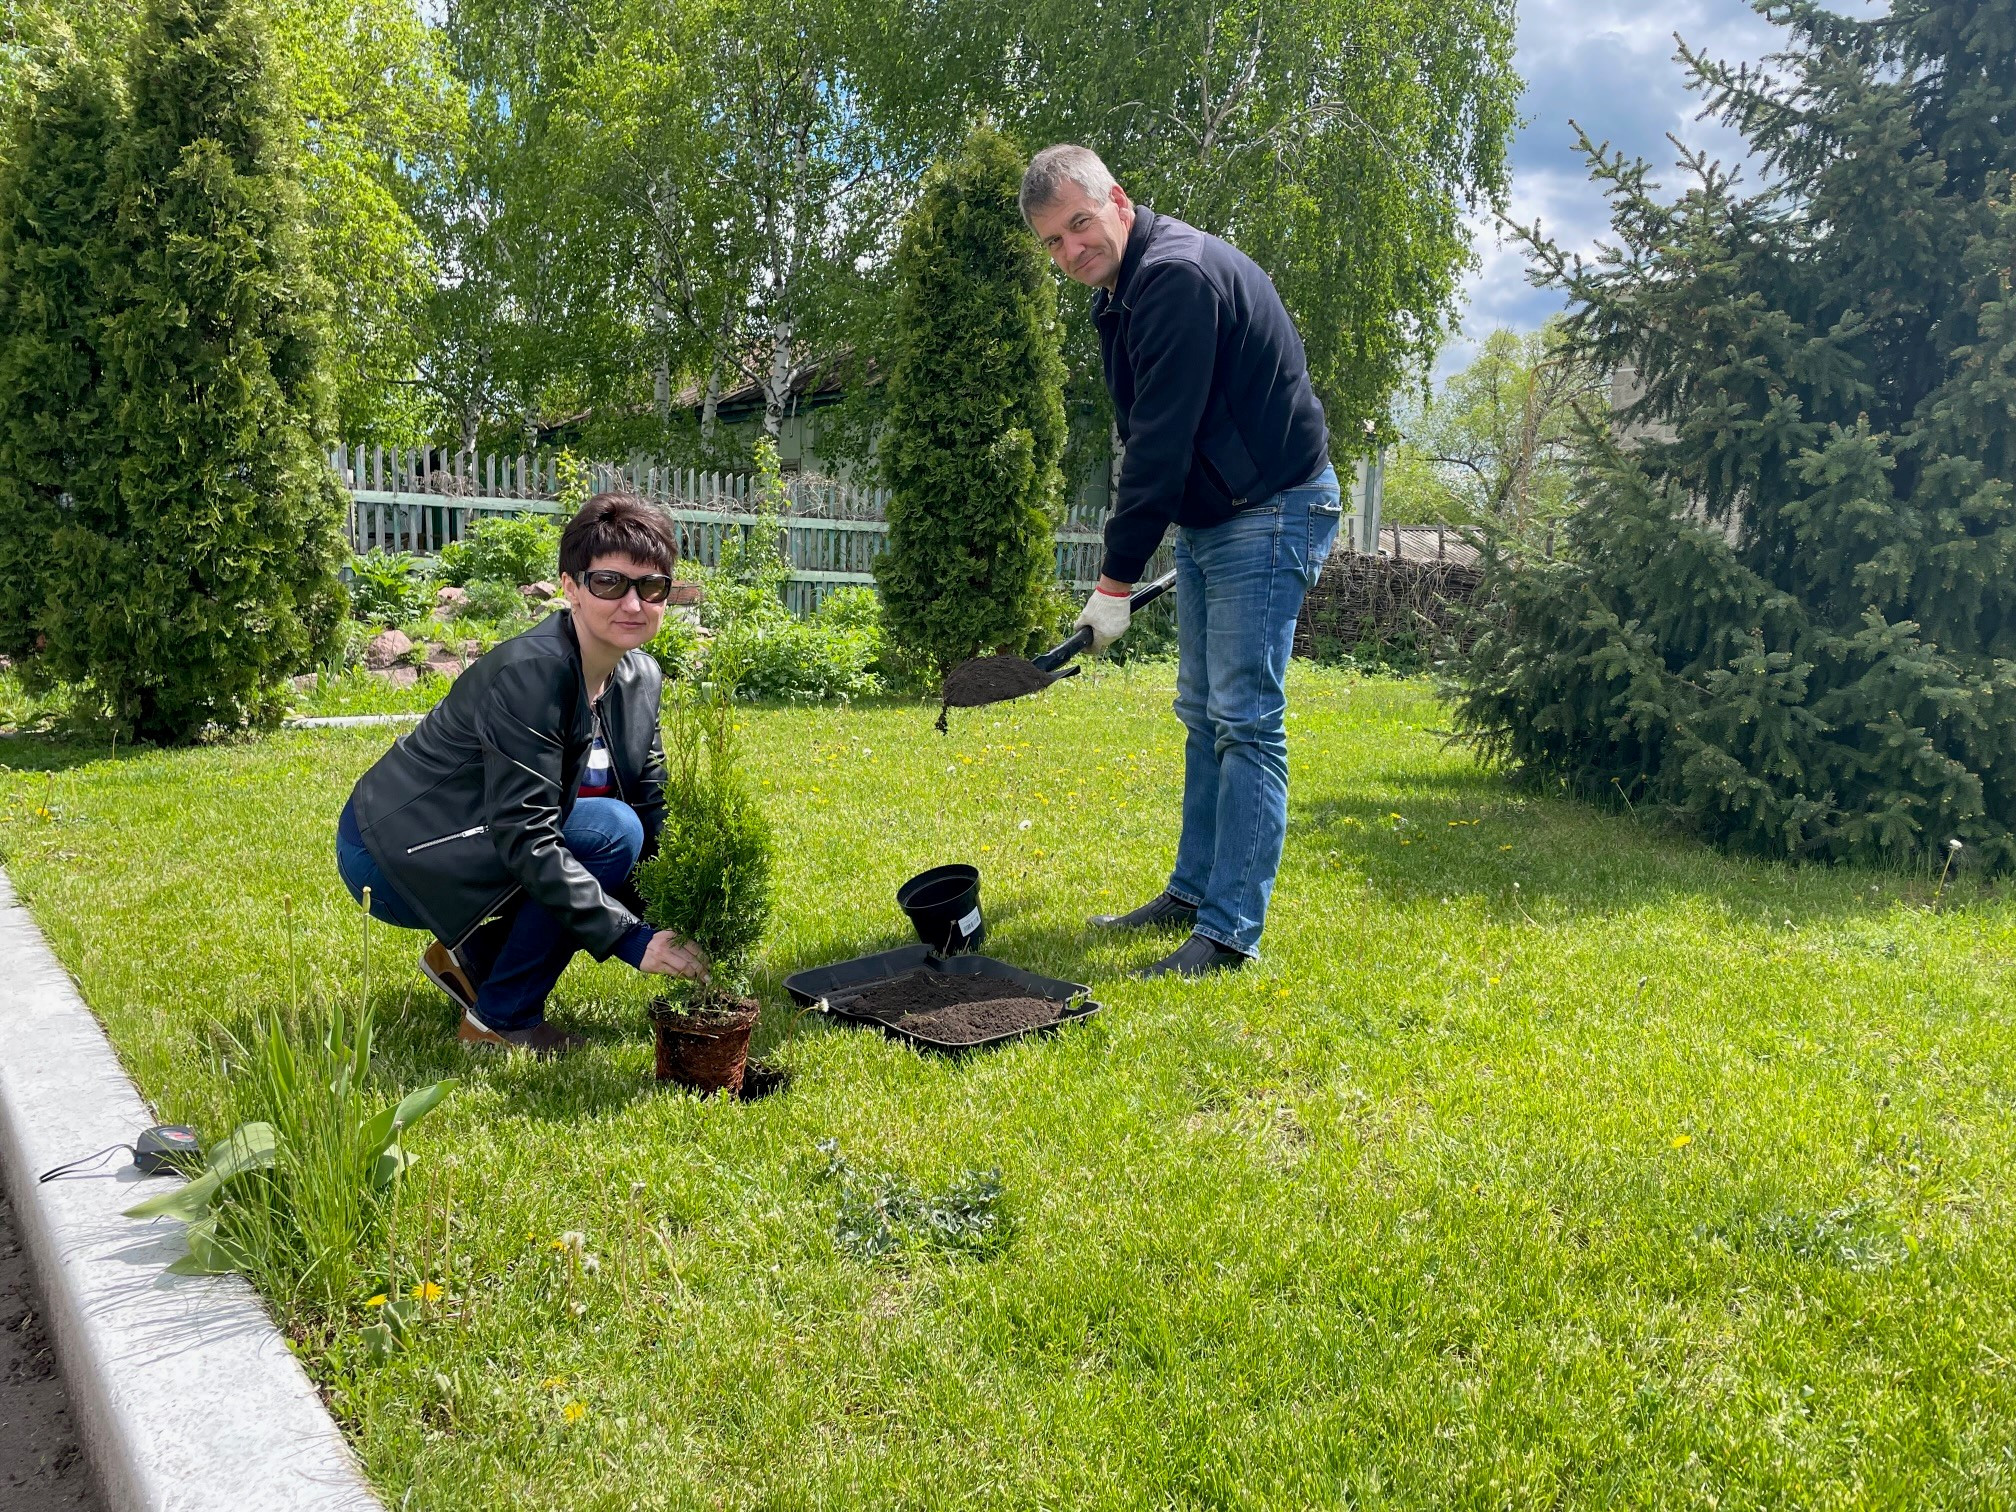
708	882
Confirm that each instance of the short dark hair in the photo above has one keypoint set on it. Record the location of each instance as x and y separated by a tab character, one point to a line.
617	524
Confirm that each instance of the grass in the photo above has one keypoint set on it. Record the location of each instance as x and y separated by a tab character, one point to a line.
1547	1158
358	692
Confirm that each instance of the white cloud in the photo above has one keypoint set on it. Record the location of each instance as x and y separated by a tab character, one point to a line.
1607	65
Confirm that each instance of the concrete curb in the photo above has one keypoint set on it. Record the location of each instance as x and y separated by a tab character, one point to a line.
349	721
184	1393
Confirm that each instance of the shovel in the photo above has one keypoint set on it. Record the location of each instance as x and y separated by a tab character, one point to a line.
996	679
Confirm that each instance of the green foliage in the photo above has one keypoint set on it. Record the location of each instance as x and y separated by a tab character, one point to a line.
55	218
387	589
1497	444
710	879
298	1196
754	643
976	416
381	119
491	599
198	573
1787	613
515	549
883	1214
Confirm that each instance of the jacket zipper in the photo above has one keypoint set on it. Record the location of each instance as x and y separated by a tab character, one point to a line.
475	829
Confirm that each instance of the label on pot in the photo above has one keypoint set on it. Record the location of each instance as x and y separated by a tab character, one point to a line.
970	923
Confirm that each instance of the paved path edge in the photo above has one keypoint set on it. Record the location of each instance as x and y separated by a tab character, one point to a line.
185	1396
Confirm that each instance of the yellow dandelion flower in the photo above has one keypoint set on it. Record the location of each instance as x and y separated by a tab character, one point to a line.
1681	1141
426	1291
573	1412
377	1301
553	1383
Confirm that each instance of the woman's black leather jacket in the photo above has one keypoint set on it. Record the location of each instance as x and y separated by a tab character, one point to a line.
467	807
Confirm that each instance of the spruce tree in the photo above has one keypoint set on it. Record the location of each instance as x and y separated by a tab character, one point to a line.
976	416
1787	610
203	573
54	219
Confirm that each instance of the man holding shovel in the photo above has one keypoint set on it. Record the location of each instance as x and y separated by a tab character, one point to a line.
1225	440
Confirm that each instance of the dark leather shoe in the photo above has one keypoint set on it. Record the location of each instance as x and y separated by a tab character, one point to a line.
1163	911
1195	957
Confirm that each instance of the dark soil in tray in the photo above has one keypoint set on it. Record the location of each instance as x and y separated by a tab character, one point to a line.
952	1010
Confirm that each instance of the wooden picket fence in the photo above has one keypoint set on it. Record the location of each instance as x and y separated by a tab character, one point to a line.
419	500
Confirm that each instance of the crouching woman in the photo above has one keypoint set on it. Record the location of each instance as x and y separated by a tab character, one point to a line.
508	822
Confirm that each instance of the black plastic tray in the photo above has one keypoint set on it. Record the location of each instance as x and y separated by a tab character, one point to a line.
815	986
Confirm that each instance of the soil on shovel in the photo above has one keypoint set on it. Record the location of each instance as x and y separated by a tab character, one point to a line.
952	1010
990	680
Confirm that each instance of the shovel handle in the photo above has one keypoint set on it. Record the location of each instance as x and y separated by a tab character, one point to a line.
1140	598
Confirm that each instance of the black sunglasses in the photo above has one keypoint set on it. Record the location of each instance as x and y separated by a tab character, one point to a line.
606	583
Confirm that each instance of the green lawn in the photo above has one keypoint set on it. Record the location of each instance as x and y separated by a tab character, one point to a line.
1546	1159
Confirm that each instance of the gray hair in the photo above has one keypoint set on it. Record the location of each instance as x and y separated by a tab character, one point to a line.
1054	167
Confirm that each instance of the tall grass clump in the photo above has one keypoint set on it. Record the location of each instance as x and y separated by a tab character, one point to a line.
302	1196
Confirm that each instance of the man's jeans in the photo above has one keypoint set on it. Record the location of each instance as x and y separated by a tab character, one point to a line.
1239	591
529	948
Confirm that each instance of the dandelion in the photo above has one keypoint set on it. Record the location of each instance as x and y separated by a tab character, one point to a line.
1954	845
426	1291
573	1412
1681	1141
378	1301
591	1265
573	1241
636	1189
554	1383
1024	824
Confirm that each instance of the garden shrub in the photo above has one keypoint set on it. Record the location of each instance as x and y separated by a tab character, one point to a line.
513	549
754	642
198	572
491	599
388	588
710	879
976	415
55	218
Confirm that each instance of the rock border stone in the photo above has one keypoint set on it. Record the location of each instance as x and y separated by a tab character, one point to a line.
184	1394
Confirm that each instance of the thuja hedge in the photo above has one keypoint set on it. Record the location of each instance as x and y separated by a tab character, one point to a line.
174	483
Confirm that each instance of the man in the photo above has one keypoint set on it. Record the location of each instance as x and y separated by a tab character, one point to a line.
1225	439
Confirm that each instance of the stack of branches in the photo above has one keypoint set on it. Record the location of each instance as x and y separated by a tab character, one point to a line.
1362	598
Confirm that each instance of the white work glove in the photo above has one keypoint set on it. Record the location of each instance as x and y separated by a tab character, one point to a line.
1106	615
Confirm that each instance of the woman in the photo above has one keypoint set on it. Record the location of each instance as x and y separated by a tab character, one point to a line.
509	820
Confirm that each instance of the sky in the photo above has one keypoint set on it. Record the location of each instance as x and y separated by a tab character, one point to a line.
1609	65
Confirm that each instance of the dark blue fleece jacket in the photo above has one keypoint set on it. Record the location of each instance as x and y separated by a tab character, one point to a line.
1209	383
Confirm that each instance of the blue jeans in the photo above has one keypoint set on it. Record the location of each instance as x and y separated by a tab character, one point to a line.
1239	592
606	837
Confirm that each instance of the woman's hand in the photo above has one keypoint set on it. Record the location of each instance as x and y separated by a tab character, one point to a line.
668	955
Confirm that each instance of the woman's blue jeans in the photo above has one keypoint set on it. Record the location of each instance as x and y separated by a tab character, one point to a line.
606	837
1239	592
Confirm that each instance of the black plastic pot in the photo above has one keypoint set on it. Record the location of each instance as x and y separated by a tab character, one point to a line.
944	905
